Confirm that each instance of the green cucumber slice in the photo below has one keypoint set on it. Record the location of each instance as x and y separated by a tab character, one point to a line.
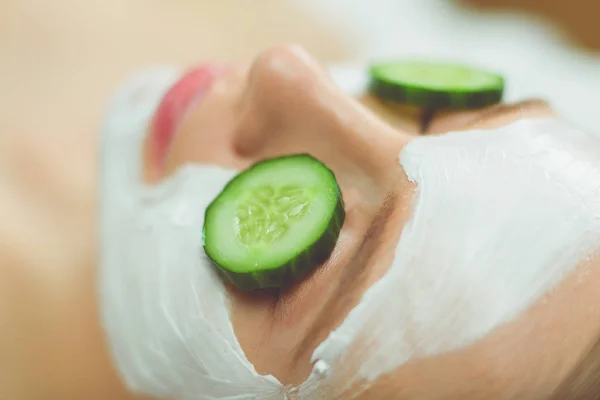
275	222
435	85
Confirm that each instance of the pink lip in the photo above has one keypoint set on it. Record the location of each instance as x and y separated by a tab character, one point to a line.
187	91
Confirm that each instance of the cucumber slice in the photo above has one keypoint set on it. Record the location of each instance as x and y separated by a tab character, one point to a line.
275	222
435	85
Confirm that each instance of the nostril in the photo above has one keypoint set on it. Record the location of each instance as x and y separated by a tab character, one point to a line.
252	132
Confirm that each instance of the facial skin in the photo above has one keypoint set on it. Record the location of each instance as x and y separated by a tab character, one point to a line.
285	103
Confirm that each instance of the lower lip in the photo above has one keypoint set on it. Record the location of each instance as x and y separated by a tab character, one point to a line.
187	91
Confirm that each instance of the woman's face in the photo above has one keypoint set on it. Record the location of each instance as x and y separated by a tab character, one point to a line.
478	335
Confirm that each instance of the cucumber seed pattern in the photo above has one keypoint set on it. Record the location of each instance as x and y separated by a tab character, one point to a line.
265	214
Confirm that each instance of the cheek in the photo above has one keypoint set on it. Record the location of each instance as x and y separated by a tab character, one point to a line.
525	358
497	226
165	310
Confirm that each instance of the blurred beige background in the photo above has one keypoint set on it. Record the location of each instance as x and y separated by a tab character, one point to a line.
60	60
578	19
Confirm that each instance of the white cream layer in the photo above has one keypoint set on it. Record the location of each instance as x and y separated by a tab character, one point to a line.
164	309
500	218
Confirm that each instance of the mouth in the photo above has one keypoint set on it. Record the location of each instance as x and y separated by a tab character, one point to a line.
189	90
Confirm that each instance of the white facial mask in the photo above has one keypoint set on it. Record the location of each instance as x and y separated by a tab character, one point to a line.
163	307
500	218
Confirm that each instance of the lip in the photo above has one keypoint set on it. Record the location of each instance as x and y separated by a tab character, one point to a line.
190	89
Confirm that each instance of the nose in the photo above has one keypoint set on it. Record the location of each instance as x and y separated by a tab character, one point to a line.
291	105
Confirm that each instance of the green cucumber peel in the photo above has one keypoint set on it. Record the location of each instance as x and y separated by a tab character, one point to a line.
435	85
274	222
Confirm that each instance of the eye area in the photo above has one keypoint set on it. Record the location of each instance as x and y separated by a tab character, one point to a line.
417	122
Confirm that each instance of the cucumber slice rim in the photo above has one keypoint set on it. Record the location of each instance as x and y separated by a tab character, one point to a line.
236	185
434	84
386	70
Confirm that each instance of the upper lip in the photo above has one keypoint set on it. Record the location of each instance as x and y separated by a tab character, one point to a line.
187	91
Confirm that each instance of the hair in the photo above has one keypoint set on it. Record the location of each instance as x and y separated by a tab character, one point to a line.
584	381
